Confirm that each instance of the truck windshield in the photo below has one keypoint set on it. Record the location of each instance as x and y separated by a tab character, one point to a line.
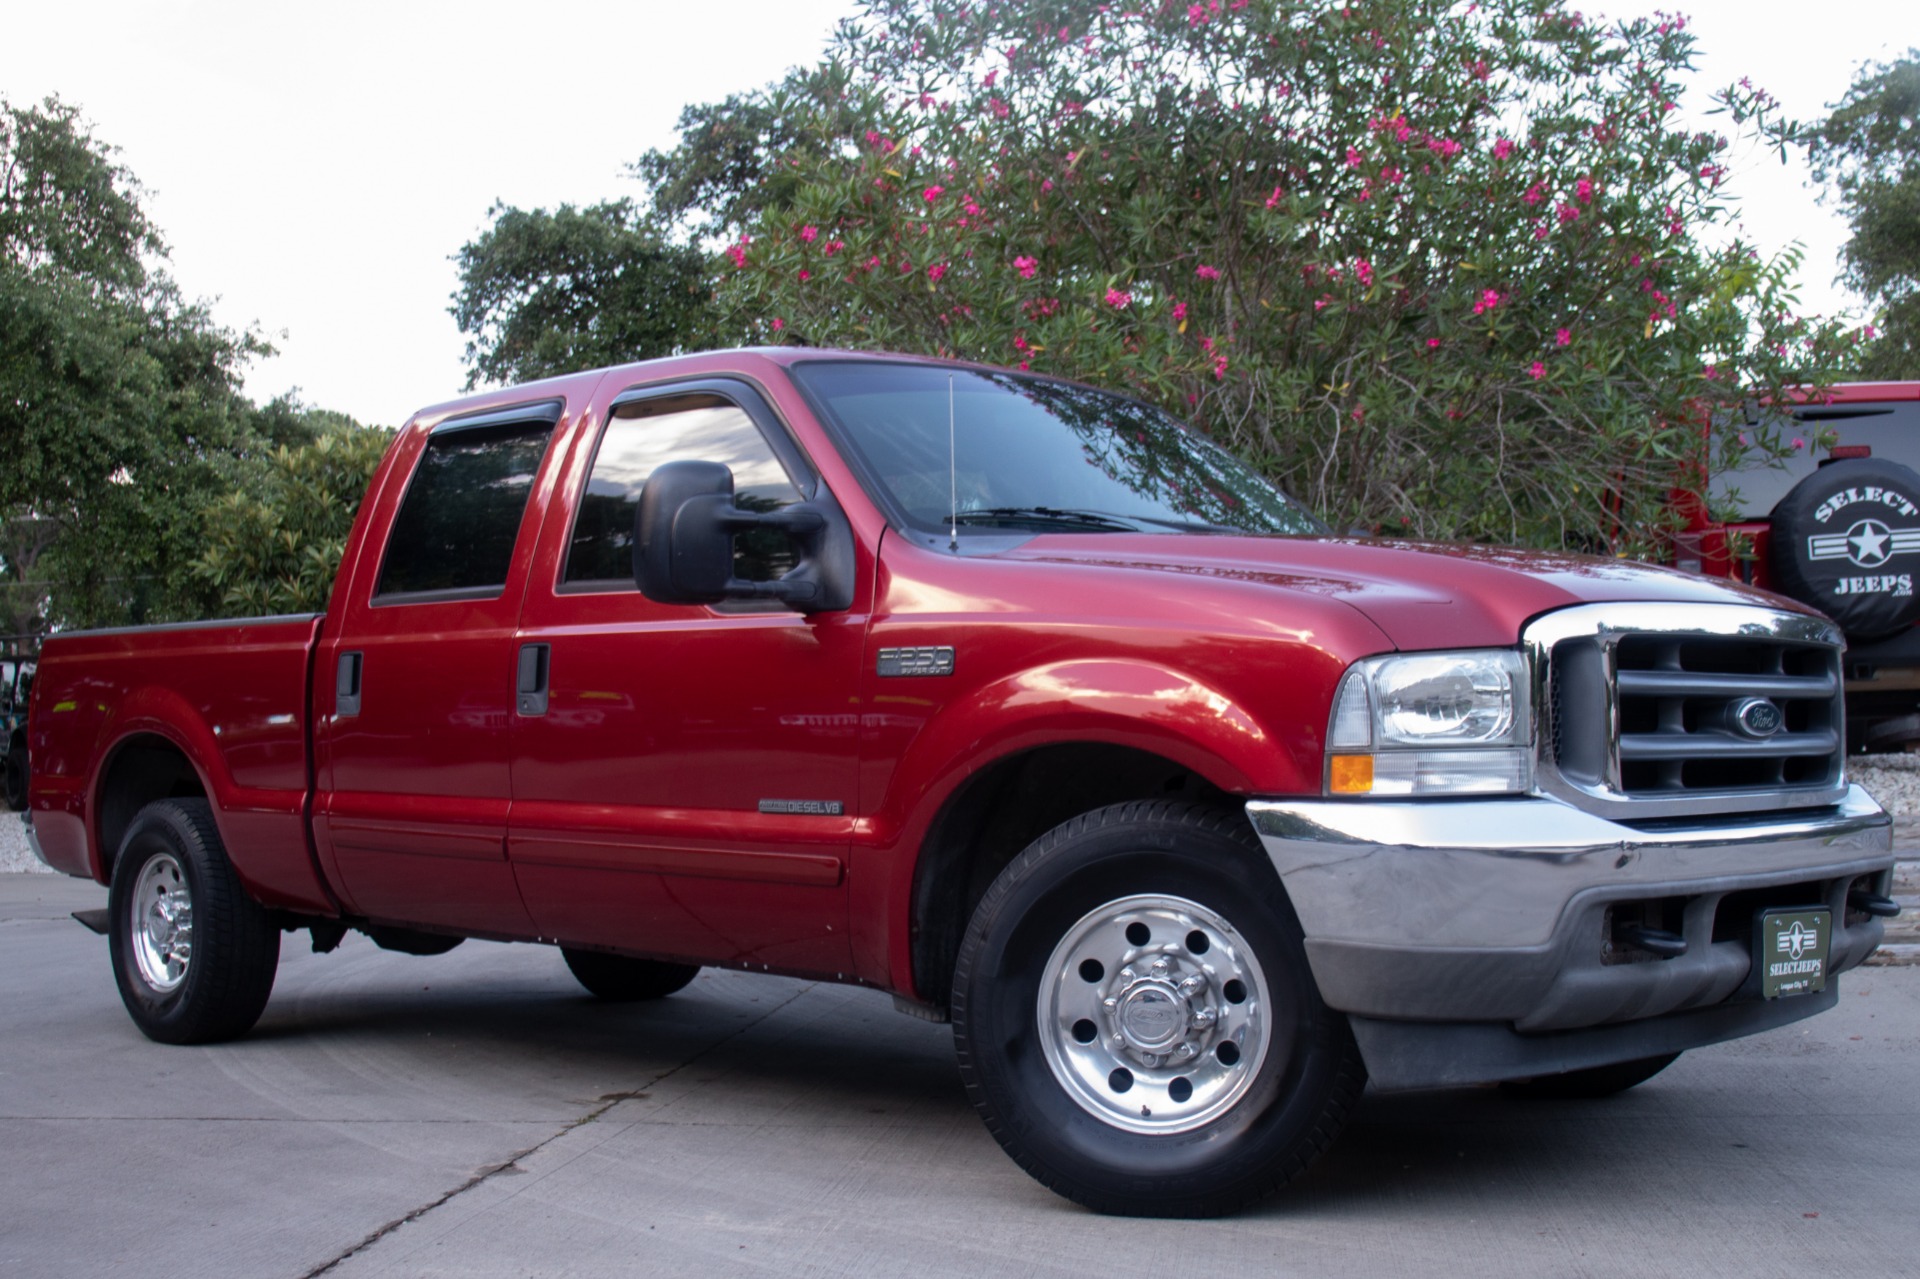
1036	455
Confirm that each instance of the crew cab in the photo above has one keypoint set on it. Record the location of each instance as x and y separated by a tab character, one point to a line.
1012	698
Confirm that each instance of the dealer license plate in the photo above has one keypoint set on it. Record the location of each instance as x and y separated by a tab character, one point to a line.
1793	947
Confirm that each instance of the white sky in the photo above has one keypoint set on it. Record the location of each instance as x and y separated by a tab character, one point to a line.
314	167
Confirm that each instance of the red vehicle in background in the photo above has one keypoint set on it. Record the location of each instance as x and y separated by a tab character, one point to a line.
1835	525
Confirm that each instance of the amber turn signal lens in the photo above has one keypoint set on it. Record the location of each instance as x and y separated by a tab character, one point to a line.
1350	774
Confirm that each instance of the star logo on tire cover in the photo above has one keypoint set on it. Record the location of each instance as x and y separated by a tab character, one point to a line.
1869	539
1869	544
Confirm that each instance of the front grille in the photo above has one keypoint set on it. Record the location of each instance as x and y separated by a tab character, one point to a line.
1707	706
1679	700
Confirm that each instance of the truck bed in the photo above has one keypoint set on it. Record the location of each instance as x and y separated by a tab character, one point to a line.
231	693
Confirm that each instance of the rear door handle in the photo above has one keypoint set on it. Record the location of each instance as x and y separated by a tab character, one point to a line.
530	689
346	685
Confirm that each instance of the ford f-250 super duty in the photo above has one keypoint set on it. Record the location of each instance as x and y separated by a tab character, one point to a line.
1010	697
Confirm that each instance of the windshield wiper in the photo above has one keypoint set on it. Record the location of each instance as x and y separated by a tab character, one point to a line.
1044	515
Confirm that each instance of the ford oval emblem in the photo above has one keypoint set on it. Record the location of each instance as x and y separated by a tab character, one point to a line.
1757	717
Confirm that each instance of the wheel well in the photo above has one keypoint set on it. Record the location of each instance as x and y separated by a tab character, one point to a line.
999	811
142	769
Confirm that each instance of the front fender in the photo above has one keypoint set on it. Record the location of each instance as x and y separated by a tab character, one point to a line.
1117	701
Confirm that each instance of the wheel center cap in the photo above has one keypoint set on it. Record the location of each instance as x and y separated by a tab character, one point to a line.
1152	1016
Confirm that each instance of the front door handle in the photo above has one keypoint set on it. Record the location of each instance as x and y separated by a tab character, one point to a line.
346	685
530	689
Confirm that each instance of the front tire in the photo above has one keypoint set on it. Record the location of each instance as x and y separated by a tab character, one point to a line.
193	955
622	979
1136	1021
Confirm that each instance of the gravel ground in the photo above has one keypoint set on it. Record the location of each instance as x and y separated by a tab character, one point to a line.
1894	780
14	853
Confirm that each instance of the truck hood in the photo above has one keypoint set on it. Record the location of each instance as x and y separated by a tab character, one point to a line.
1423	595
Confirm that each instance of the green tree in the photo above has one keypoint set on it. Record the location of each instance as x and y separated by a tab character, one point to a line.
275	545
1868	151
545	293
120	413
1446	269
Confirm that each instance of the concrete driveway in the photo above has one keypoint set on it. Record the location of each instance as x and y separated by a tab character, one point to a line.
476	1114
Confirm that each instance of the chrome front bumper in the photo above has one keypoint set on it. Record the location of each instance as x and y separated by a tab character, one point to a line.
1490	918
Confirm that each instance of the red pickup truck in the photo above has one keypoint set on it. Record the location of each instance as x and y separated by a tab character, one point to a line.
1010	697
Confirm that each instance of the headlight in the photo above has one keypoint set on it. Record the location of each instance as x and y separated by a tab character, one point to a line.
1432	724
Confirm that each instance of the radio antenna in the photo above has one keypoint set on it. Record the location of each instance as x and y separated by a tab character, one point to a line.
953	477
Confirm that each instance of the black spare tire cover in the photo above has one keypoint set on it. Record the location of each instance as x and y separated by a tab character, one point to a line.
1847	540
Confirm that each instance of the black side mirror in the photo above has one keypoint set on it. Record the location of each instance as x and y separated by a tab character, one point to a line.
683	543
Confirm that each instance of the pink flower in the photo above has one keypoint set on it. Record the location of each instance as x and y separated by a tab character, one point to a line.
1219	366
1535	193
1798	444
1446	148
778	324
1563	338
1536	370
1433	344
988	79
1583	190
933	193
872	262
1180	311
805	275
808	234
738	252
1046	184
1488	300
1870	331
1392	176
1502	149
1119	299
1027	267
1539	230
1567	212
833	246
972	209
1354	158
1196	14
1000	109
1273	201
1712	374
1364	269
935	271
1207	272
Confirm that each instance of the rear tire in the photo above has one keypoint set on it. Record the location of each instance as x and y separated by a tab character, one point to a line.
1136	1022
193	955
622	979
1593	1082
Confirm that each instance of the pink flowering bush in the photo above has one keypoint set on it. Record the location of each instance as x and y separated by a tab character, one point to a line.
1452	270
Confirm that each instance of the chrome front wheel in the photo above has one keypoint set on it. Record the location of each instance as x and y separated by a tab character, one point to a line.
1152	1014
1136	1020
